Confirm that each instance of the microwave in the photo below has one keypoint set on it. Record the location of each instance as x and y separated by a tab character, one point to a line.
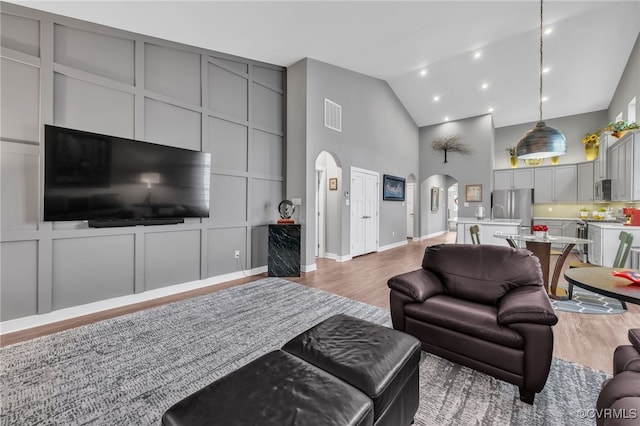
602	190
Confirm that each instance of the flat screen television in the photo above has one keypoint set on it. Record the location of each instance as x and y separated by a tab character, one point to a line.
113	180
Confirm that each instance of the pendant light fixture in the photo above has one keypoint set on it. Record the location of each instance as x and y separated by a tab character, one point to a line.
542	141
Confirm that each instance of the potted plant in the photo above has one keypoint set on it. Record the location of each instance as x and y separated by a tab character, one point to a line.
619	128
513	156
591	144
540	231
584	213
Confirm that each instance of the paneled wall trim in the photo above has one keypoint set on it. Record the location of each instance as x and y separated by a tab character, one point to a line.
70	73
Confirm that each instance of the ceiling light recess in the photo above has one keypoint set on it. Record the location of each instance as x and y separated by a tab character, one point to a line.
542	141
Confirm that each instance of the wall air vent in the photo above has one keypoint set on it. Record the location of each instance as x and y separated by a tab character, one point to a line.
332	115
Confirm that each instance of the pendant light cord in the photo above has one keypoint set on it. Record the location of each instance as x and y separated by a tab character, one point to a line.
540	94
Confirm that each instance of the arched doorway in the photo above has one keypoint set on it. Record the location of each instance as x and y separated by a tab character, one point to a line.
438	194
328	206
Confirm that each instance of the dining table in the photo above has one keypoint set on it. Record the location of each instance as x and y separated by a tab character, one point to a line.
540	246
601	280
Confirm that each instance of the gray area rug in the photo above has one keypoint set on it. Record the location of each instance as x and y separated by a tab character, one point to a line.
588	302
129	370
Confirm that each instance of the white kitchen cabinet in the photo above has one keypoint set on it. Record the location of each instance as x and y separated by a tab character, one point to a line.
618	171
585	182
624	162
606	240
513	179
556	184
600	165
595	249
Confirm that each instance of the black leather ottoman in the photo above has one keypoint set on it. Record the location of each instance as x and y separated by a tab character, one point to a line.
277	389
381	362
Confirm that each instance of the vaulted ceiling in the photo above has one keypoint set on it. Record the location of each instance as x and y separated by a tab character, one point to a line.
445	60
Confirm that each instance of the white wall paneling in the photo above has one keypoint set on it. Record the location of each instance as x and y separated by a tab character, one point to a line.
20	268
58	70
171	258
91	268
20	104
223	242
83	105
95	53
229	142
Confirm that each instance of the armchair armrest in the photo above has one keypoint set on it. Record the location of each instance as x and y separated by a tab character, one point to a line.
419	284
634	338
526	304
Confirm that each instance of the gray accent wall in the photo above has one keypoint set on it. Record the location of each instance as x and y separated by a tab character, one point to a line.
573	127
62	71
478	134
378	134
628	87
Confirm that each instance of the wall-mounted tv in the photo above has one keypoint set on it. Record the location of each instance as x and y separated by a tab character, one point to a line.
392	188
113	180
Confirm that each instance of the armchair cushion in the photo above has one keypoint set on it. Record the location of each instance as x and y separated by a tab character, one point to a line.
418	284
462	316
529	304
486	273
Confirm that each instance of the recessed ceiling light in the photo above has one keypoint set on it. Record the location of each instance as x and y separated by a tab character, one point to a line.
446	118
546	69
490	109
485	86
548	31
477	54
423	73
436	98
545	99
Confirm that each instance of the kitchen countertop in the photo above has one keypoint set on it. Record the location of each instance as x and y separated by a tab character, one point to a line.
610	225
555	218
489	221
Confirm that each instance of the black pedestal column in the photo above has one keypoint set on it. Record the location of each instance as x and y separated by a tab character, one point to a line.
284	250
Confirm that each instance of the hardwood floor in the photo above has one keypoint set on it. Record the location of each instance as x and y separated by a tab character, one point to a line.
585	339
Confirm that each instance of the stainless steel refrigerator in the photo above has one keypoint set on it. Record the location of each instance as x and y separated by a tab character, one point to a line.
513	204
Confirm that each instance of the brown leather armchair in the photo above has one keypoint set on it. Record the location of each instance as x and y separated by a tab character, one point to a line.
481	306
619	400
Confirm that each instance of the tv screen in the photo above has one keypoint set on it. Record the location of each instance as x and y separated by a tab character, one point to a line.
89	176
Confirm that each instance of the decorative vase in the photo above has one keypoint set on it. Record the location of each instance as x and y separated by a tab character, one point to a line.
555	160
540	234
591	151
514	162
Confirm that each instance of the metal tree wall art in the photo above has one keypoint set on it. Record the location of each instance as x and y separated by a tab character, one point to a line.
451	143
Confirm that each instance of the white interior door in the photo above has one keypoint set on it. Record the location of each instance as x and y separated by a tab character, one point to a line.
371	213
364	211
409	203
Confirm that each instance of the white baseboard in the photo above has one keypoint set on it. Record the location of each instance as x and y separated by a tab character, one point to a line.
338	258
393	245
434	234
24	323
308	268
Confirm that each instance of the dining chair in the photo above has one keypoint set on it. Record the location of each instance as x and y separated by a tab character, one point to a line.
475	234
618	262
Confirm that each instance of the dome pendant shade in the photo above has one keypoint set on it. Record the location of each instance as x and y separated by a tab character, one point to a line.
541	142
